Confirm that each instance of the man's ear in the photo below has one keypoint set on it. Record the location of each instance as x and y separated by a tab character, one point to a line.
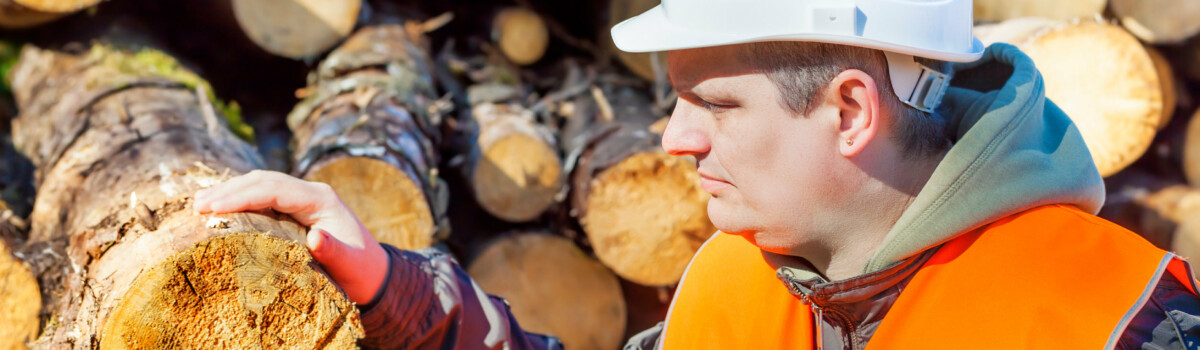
856	97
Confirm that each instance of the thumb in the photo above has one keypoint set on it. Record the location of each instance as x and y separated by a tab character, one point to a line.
359	272
326	249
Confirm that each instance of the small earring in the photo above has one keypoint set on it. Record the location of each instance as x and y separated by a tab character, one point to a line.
849	142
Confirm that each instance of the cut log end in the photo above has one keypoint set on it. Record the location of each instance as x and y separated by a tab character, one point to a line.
517	177
235	291
521	35
1191	151
1118	113
549	283
1166	82
18	17
999	10
296	28
20	301
387	201
646	216
56	6
1186	242
1159	22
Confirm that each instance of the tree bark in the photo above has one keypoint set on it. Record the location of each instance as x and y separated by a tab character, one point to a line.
296	28
642	210
366	128
121	142
549	284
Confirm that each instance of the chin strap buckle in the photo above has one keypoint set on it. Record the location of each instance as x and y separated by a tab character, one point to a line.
916	85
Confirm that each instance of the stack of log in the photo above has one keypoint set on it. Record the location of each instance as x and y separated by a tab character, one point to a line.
1125	72
528	148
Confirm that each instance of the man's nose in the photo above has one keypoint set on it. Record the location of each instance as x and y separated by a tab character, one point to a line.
685	133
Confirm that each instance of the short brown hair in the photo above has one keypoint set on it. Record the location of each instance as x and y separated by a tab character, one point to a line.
801	70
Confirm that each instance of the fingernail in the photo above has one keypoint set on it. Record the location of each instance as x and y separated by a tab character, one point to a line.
315	239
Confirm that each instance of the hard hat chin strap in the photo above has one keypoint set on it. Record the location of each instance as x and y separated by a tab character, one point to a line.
915	84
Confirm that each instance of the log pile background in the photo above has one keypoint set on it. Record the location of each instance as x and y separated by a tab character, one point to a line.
509	133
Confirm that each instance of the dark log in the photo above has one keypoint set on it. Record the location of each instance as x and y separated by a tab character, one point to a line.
367	127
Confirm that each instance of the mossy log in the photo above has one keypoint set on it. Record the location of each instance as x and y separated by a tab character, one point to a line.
366	128
512	165
1117	112
296	28
642	210
121	142
550	284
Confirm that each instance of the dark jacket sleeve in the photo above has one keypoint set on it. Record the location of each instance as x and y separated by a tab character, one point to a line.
1167	321
429	302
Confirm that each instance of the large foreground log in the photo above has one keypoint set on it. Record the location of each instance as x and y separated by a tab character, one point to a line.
366	128
642	210
121	142
296	28
551	286
1102	77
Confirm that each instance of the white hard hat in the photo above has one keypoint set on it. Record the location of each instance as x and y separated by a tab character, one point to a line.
937	29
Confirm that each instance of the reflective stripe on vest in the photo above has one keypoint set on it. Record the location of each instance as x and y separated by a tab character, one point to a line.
1050	277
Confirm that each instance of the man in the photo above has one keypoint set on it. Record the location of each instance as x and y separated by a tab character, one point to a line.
865	199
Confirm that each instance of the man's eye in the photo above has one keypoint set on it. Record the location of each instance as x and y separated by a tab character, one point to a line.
714	106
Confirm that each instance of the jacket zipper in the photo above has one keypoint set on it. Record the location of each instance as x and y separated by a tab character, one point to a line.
817	317
817	313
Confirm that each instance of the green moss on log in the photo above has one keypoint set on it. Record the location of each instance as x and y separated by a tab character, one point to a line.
151	62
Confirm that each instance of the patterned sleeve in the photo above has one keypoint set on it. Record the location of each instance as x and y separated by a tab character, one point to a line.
1169	320
429	302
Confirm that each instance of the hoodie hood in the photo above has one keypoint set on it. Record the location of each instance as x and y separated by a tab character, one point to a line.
1014	150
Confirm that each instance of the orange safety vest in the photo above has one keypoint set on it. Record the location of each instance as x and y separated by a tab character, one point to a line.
1052	277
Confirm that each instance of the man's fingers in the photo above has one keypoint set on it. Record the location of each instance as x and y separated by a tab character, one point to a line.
260	190
204	198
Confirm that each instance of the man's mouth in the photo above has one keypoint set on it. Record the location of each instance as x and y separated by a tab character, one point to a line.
712	184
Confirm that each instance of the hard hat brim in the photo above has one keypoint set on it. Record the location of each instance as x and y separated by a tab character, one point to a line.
652	31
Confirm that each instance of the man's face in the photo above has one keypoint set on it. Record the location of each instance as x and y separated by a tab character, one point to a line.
771	172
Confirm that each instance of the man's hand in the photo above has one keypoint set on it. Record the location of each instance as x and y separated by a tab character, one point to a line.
336	238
